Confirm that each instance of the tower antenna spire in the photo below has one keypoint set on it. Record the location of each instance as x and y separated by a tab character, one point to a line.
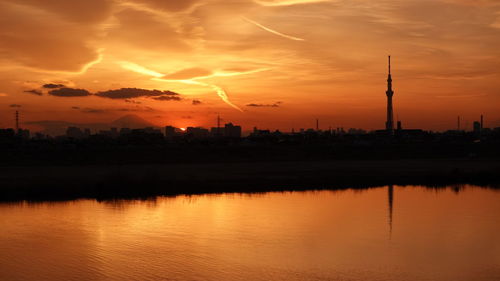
389	64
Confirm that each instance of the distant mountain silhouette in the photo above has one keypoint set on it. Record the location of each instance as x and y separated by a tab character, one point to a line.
131	121
58	127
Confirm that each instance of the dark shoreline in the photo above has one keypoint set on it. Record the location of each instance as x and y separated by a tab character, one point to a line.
38	183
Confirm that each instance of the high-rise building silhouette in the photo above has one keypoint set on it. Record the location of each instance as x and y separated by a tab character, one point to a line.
389	124
170	132
476	127
232	131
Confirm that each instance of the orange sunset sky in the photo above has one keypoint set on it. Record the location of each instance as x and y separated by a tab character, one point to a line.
276	64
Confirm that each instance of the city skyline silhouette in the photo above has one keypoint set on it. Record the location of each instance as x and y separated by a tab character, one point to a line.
132	121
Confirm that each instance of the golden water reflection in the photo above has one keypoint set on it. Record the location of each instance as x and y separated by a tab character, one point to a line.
391	233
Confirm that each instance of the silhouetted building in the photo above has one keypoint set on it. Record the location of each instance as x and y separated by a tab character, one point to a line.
125	131
86	133
256	132
23	134
389	124
148	135
170	132
74	133
197	132
477	127
411	134
7	133
151	130
217	131
112	133
146	131
232	131
354	131
39	136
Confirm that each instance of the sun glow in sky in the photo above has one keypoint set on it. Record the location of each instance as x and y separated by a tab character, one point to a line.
277	64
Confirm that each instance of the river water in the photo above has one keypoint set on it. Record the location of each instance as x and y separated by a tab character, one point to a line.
387	233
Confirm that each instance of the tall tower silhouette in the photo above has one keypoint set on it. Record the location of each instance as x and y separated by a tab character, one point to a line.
389	124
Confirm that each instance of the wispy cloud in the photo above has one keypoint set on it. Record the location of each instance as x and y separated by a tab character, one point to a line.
272	30
139	69
193	81
220	92
82	69
272	3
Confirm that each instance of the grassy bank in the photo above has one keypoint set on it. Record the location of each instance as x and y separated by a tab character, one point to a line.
133	181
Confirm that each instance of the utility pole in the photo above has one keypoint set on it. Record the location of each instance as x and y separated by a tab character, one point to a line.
218	125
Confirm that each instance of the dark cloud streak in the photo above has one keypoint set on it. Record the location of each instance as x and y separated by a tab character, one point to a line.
264	105
53	86
167	98
69	92
128	93
34	92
